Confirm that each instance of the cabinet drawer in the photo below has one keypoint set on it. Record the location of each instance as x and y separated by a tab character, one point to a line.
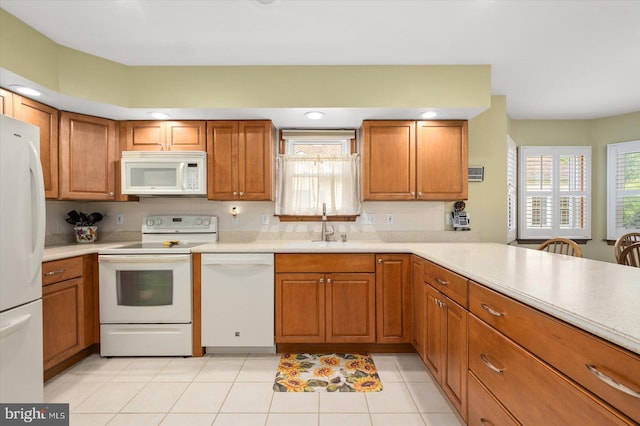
484	409
325	263
529	389
449	283
565	347
60	270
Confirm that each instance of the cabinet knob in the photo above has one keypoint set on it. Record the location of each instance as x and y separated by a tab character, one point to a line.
241	193
420	194
379	260
235	193
413	194
111	194
328	280
321	280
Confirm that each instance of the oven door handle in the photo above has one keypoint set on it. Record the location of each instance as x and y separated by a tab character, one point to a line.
144	258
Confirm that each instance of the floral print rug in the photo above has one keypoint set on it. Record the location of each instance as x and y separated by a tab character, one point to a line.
327	373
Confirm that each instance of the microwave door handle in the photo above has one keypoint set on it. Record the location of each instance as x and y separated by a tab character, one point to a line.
183	178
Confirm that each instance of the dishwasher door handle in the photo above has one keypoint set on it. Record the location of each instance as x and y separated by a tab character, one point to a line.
240	260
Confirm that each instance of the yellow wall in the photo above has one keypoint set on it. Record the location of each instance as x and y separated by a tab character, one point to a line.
31	55
487	204
597	133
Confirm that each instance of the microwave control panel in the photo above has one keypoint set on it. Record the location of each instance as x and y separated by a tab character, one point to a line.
191	181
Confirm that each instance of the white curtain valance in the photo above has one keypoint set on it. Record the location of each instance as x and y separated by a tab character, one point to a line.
305	183
314	135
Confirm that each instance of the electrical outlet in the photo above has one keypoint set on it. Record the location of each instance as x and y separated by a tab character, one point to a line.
389	219
447	218
119	219
368	219
265	219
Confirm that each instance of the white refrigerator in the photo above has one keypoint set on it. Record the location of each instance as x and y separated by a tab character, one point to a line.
22	228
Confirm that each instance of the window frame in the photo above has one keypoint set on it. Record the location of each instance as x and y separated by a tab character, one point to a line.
512	190
613	233
288	138
530	235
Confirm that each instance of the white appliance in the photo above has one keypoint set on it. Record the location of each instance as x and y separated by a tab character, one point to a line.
238	302
164	172
146	288
22	229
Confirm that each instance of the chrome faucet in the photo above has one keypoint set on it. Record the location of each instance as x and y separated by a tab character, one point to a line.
325	232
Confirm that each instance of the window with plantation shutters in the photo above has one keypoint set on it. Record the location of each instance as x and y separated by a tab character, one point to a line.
623	188
512	181
555	192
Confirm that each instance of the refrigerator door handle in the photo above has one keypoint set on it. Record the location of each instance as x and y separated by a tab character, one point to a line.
38	217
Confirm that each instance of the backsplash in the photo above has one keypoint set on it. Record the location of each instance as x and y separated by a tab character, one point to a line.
412	221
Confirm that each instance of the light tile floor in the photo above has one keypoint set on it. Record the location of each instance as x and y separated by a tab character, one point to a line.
225	390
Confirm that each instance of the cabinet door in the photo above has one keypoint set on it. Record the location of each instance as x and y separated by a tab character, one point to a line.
393	298
442	160
300	308
88	154
186	135
222	160
144	135
255	154
46	119
389	160
350	308
418	296
63	328
454	371
434	349
6	102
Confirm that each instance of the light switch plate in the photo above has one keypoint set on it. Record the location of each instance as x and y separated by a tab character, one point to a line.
389	219
119	219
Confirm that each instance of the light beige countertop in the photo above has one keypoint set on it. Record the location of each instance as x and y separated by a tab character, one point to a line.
600	297
76	249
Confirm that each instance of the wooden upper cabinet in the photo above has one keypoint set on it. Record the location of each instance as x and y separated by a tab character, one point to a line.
6	102
164	135
46	119
442	160
88	156
240	160
409	160
389	160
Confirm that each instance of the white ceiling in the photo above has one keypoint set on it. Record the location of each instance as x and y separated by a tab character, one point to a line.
552	59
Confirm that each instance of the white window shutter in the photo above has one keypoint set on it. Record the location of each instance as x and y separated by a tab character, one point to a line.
555	192
623	188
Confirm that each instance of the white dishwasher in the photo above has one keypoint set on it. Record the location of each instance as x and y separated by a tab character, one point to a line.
238	302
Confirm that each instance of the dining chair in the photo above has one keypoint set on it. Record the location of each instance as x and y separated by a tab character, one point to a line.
561	246
630	255
624	241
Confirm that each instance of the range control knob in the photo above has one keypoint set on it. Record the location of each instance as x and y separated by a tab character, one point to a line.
207	222
158	221
149	222
198	221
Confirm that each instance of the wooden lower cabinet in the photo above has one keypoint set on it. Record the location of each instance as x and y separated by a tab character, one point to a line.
484	408
533	392
393	298
446	346
69	309
418	299
325	308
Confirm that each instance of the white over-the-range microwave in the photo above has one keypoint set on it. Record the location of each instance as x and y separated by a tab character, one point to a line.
164	172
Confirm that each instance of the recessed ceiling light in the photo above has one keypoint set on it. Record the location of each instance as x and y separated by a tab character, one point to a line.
160	115
429	114
315	115
27	91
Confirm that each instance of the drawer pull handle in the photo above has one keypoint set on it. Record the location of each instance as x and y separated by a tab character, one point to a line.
491	310
608	380
485	421
484	359
442	282
51	273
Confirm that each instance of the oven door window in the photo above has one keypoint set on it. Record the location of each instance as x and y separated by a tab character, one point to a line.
144	288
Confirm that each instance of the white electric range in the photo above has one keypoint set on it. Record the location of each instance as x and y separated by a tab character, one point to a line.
146	288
